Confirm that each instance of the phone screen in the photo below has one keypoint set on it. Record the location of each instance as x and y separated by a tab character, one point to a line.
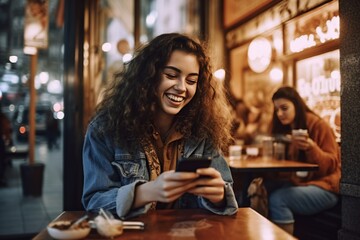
192	164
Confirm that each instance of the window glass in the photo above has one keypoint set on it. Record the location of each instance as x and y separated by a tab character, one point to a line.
318	82
118	35
162	16
156	17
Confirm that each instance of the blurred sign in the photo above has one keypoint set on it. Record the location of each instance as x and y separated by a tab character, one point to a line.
36	23
319	83
313	29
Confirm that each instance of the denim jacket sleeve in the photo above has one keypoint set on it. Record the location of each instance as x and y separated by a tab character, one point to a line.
110	176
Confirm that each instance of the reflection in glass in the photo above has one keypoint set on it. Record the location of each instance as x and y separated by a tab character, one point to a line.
162	16
318	82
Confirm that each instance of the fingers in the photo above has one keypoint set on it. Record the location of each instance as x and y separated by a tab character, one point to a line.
210	193
210	185
206	182
303	142
214	193
171	185
209	172
308	144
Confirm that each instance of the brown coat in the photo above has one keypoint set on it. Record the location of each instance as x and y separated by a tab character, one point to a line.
325	153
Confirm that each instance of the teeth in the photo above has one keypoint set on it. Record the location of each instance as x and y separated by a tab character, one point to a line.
175	98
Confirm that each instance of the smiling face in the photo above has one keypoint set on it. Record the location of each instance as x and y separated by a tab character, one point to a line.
178	83
285	110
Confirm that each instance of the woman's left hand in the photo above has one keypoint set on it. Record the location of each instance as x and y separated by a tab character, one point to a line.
209	185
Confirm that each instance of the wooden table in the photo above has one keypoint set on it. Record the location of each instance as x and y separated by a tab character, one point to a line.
243	172
192	224
260	164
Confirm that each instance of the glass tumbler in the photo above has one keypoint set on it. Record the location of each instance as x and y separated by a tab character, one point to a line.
279	151
267	147
235	152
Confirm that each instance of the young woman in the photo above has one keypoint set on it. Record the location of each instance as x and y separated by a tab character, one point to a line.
304	193
163	107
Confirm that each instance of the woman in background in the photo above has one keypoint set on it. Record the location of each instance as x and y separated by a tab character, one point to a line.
163	107
313	141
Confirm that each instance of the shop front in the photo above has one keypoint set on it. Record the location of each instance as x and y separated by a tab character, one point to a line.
317	72
292	43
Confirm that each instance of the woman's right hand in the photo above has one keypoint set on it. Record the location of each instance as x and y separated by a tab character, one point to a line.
303	142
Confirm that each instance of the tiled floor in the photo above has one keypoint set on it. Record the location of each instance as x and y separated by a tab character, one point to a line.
23	216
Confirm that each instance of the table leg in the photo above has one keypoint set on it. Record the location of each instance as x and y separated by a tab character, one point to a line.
241	184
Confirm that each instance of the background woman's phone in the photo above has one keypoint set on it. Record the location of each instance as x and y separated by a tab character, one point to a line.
192	164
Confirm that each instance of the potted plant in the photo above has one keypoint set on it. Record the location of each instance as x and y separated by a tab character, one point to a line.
32	173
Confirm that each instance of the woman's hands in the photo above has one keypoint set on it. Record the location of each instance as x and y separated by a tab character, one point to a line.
303	142
170	185
209	185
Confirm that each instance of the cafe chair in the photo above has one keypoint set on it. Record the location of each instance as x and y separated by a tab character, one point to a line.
258	196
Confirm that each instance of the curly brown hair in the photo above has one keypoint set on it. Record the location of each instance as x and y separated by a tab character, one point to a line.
127	103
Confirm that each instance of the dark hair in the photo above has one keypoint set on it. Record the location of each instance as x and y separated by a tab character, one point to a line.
128	102
301	109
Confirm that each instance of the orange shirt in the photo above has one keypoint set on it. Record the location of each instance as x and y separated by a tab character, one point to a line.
168	151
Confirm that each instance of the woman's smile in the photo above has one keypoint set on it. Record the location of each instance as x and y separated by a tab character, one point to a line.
175	98
178	83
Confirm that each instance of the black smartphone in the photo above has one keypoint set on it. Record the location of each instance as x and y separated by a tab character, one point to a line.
193	163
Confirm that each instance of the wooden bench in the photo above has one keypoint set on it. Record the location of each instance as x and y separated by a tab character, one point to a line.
322	226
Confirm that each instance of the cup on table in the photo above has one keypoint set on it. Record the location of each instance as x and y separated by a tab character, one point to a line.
235	152
252	151
300	132
279	151
267	147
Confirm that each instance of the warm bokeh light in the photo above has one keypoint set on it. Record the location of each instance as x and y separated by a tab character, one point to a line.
106	47
259	54
220	74
30	50
55	87
335	74
13	59
60	115
151	18
57	107
127	57
44	77
276	75
22	129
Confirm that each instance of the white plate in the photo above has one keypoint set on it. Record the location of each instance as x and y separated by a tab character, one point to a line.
68	233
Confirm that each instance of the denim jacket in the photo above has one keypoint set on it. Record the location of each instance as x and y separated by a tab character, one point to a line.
111	174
